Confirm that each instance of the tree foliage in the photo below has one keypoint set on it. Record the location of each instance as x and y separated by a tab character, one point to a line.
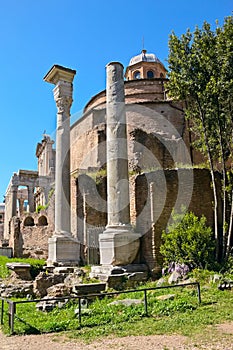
201	74
188	241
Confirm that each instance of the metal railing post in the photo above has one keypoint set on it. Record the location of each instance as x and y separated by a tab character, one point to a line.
145	303
12	310
79	311
2	311
199	292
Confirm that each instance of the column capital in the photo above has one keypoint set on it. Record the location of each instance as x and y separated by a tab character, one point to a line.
62	89
62	78
64	104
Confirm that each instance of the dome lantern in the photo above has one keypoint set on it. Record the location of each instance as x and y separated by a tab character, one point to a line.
145	66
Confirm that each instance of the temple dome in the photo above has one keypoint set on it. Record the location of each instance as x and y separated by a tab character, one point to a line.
144	57
145	66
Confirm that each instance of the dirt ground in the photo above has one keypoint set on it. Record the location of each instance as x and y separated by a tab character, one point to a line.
215	338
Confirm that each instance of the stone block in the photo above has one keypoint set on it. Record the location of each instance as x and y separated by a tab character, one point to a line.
117	281
127	302
64	250
138	276
174	277
20	270
6	251
89	288
45	280
118	247
166	297
58	290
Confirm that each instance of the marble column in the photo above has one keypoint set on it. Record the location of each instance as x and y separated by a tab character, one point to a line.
63	248
10	206
118	243
31	200
14	191
21	206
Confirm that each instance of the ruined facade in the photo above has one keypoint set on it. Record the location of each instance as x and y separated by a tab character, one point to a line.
30	191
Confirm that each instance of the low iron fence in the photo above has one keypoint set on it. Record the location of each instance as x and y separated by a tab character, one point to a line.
12	305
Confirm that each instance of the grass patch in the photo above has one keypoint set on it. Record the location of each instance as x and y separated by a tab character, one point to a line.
182	315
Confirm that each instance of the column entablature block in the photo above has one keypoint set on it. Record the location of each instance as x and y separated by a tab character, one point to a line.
59	74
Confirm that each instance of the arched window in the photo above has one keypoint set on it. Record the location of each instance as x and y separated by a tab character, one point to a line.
29	221
137	75
161	75
42	221
150	74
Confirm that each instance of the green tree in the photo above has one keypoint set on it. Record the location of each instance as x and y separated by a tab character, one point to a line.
188	241
201	74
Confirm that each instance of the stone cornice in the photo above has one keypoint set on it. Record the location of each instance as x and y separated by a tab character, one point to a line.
59	73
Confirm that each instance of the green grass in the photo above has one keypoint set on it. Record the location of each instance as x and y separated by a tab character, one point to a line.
182	315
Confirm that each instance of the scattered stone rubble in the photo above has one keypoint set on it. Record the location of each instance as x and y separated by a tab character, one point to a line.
21	289
59	282
121	277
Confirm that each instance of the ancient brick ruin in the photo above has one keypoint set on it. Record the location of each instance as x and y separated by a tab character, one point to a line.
161	165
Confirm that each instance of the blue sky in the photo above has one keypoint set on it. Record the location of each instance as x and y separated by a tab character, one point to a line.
82	35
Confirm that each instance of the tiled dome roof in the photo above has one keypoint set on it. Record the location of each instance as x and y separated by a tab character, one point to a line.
144	57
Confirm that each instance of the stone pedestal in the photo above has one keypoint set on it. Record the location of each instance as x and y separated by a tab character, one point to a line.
118	246
63	250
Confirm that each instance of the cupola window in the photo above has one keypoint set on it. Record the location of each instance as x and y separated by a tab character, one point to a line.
137	75
150	74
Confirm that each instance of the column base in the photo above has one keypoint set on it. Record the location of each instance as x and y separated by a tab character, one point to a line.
118	246
63	250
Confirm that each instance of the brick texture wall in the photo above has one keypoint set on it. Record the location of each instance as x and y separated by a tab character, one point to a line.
172	188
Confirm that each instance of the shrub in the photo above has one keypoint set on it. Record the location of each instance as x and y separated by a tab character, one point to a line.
188	241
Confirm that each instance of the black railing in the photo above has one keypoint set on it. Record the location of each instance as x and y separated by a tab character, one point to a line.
12	304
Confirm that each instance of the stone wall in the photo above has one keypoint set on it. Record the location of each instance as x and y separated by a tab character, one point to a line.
1	231
142	90
157	134
35	230
153	195
171	188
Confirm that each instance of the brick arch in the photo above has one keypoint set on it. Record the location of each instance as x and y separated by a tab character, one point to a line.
28	221
42	221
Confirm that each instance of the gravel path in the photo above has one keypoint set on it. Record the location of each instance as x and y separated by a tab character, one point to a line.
221	339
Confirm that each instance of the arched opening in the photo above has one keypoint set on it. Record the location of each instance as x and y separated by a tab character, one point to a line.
150	74
137	75
42	221
161	75
29	221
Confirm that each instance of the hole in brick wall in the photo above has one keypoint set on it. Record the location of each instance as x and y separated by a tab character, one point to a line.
29	221
42	221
